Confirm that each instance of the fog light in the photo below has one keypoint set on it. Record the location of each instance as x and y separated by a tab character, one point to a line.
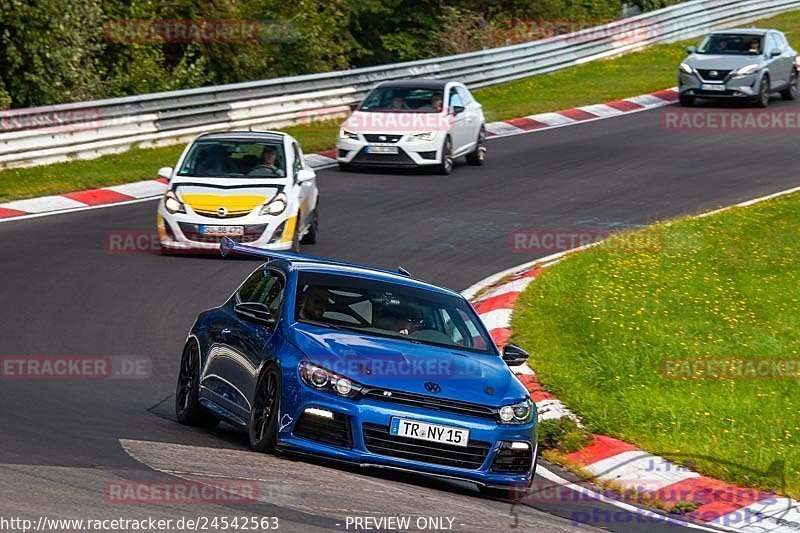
520	446
324	413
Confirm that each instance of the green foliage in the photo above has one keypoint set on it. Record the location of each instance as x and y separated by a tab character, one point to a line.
62	50
563	435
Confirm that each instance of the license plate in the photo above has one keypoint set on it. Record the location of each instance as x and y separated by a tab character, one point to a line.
712	87
413	429
222	231
382	150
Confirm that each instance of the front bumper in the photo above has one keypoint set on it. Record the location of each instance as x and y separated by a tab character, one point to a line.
731	87
363	438
411	151
181	231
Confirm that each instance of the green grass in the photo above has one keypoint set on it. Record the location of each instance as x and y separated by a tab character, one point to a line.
601	324
600	81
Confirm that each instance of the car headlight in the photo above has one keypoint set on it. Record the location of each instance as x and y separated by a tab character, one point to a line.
424	136
325	380
172	204
276	206
347	134
747	69
518	413
686	68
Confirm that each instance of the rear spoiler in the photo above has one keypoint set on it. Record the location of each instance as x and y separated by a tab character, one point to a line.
228	245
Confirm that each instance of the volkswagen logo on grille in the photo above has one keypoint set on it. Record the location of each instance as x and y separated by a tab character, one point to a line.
713	73
222	211
430	386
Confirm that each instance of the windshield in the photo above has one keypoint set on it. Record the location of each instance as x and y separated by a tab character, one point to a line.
729	43
389	310
234	159
403	99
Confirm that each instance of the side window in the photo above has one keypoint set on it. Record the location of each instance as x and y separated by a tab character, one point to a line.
298	157
264	287
455	99
464	94
771	44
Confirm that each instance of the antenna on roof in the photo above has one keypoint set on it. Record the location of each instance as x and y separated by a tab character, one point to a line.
404	272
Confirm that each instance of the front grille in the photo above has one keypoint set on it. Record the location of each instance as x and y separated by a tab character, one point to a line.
192	232
335	432
509	460
701	92
718	75
214	214
381	138
383	159
430	402
378	440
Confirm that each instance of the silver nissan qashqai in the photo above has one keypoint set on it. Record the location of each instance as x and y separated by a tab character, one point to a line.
747	64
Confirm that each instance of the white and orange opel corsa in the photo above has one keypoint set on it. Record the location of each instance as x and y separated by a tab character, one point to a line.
251	186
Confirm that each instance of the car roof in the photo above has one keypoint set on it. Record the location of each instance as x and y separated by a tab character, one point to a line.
275	136
743	31
356	271
419	83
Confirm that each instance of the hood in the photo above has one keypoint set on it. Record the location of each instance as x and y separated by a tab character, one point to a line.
406	366
234	197
721	62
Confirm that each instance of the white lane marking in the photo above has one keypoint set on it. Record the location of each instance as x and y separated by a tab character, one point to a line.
140	189
43	204
648	101
773	515
502	128
86	208
496	319
602	110
512	286
552	119
318	160
651	516
553	409
638	469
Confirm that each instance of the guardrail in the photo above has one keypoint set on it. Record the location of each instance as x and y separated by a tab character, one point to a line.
85	130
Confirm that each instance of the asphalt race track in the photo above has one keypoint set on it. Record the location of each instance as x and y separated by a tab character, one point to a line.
62	441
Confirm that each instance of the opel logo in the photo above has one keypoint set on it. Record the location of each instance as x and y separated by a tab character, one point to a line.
222	211
713	73
430	386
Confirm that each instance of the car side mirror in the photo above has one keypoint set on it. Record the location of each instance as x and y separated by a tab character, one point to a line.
514	355
691	49
305	174
456	109
254	312
353	107
775	52
165	172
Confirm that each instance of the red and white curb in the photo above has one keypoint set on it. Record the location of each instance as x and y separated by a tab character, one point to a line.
149	189
719	504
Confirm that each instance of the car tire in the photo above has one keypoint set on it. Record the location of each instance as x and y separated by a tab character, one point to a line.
686	100
762	100
263	427
477	157
188	410
446	165
791	92
313	229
